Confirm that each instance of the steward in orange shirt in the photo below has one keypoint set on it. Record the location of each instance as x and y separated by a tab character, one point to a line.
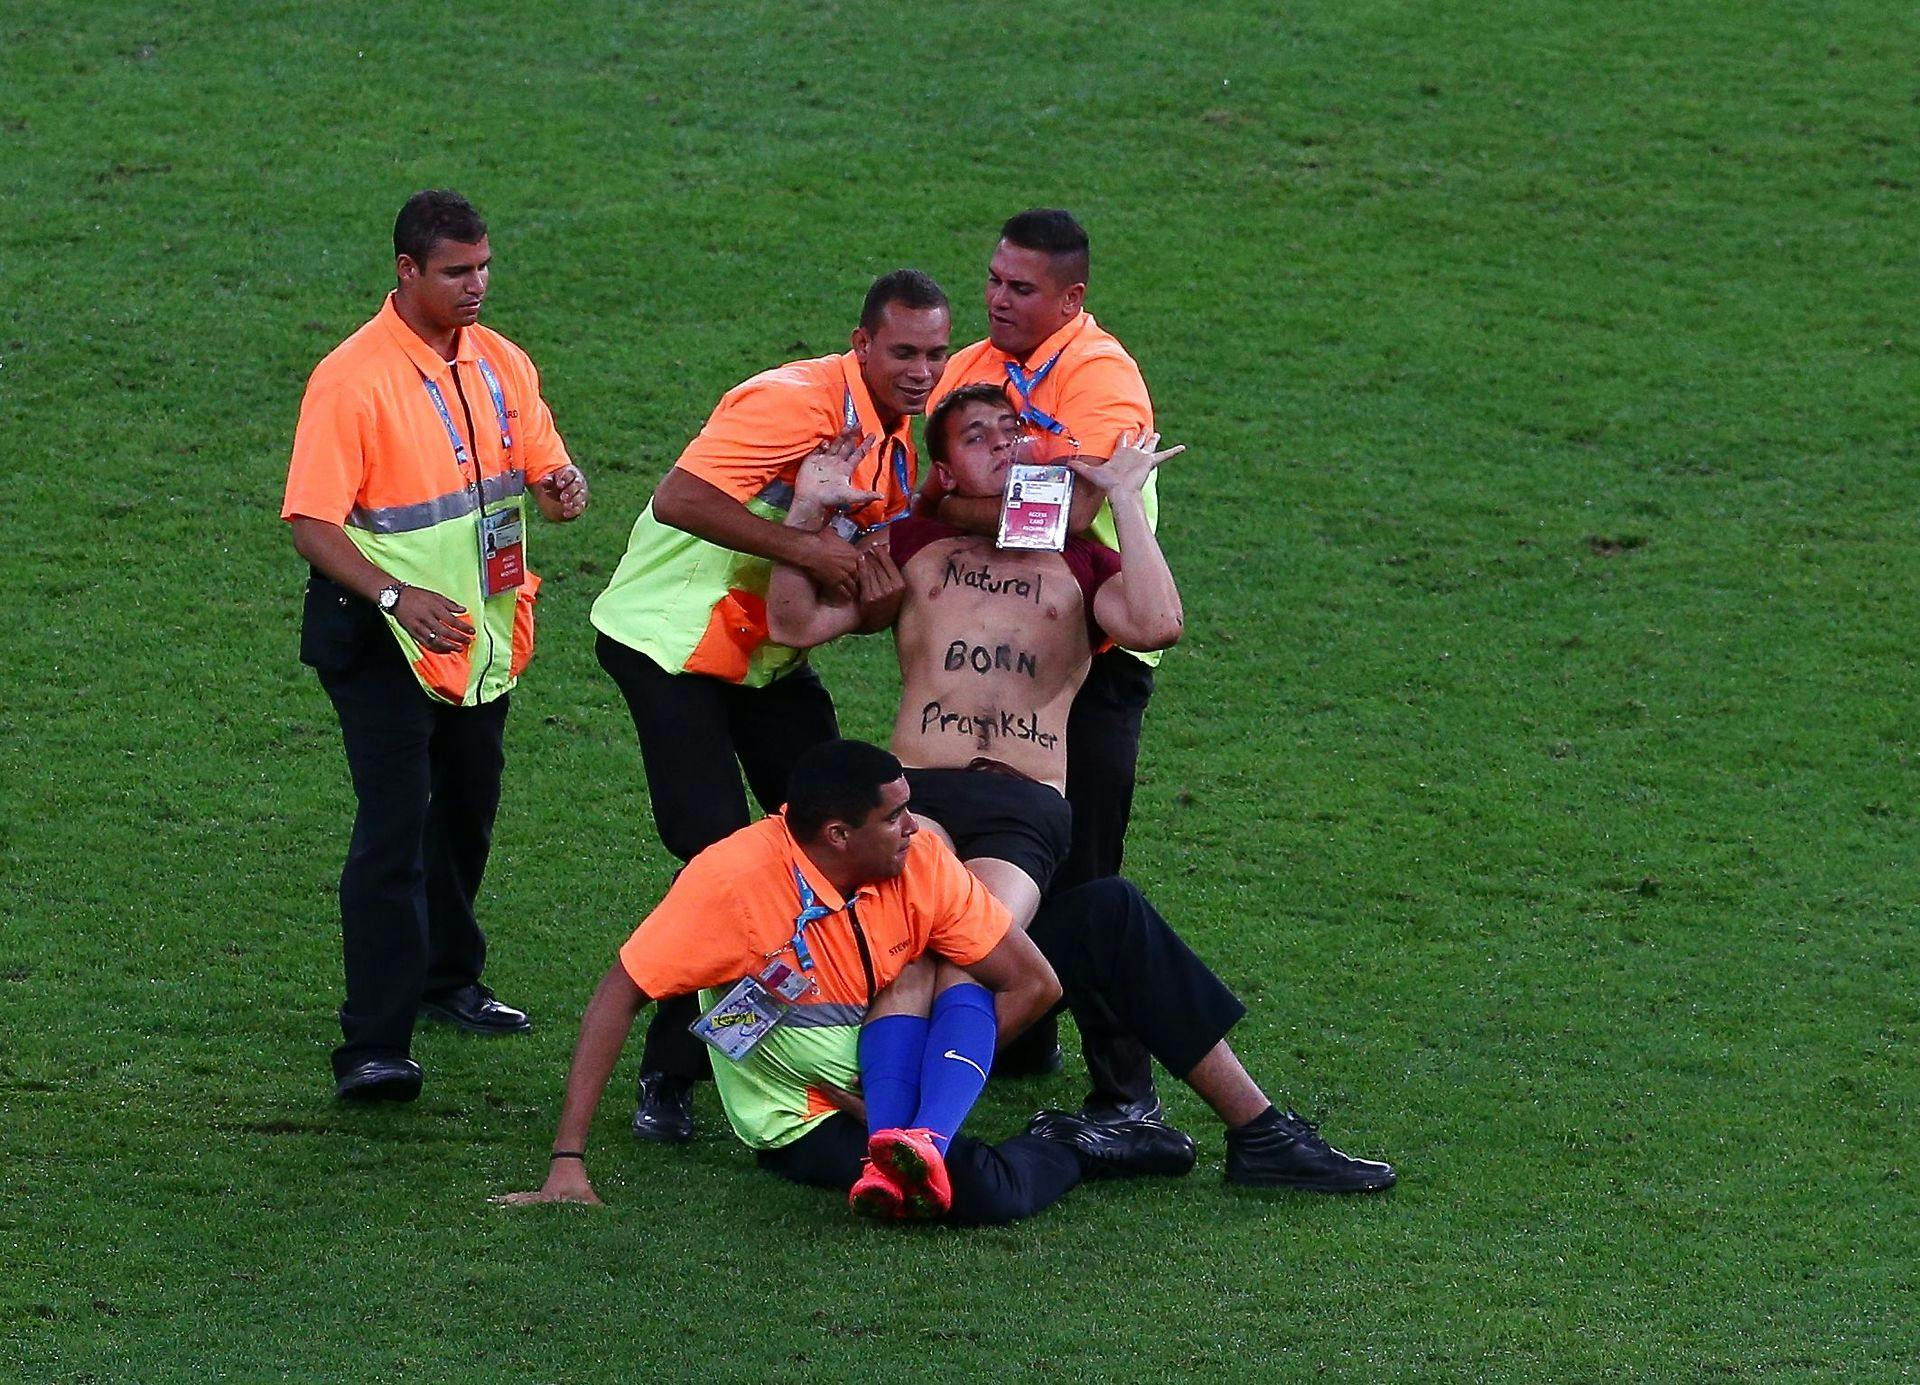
842	896
683	623
1077	391
420	437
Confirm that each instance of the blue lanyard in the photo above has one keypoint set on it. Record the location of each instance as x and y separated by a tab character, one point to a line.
499	402
499	398
811	911
1025	384
900	473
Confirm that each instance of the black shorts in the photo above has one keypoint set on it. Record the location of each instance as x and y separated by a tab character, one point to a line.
993	813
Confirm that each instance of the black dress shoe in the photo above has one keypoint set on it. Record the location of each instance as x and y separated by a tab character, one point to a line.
1125	1149
1280	1150
665	1113
379	1079
475	1010
1109	1110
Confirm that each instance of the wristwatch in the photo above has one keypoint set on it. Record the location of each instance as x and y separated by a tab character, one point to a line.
390	596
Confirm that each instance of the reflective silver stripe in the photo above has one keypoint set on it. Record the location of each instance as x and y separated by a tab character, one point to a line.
408	519
777	493
826	1015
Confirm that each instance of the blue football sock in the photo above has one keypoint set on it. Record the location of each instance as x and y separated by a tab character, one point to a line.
890	1049
959	1055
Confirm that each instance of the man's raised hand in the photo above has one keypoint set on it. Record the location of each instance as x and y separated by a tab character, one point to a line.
1132	462
562	496
826	473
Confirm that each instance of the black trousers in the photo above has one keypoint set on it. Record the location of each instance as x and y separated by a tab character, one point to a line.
992	1184
1103	750
427	780
697	736
1123	970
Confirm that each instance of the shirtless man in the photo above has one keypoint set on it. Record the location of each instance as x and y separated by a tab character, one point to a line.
993	645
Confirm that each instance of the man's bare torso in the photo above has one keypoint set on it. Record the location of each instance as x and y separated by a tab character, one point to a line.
993	646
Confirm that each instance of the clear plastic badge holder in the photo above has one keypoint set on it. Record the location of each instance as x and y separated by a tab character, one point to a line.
1033	513
747	1014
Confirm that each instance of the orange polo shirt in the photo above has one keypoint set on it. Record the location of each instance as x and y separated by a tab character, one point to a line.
732	910
371	444
760	431
1095	390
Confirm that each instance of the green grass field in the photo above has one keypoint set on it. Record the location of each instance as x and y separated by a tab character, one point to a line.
1540	763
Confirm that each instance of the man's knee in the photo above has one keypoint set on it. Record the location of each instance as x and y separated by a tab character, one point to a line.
686	838
911	992
1096	917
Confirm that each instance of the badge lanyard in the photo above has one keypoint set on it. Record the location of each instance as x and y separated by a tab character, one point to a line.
494	392
811	911
502	557
1024	384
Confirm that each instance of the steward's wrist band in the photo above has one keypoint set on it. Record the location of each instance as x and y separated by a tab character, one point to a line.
567	1154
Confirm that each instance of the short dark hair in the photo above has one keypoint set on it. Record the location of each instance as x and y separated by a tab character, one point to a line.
433	216
979	392
1056	235
837	781
907	287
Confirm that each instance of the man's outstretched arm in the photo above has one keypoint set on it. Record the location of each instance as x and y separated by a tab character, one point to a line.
603	1033
1140	608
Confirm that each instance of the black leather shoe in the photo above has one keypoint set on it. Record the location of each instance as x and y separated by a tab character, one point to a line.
665	1113
1281	1150
380	1079
1126	1149
1107	1110
474	1009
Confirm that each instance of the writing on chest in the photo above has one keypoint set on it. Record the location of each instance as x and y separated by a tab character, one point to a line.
965	581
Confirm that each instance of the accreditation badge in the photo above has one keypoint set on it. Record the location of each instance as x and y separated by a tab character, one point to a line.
784	981
743	1017
503	547
1034	511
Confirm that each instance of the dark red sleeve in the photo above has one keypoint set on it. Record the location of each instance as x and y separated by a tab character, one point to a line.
1091	565
906	537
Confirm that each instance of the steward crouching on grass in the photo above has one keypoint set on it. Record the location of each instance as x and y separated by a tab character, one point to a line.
828	902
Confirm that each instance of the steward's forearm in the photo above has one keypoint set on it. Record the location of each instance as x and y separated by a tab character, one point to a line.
603	1033
707	512
1015	1010
977	514
327	547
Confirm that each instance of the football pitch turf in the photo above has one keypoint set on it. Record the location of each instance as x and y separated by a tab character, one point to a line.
1539	763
